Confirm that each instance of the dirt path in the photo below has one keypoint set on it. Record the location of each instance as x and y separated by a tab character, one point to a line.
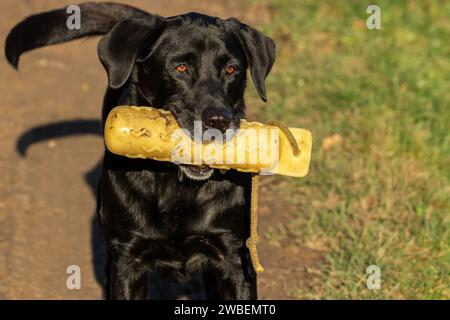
46	201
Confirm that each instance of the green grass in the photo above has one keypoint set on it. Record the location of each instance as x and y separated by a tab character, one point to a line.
381	194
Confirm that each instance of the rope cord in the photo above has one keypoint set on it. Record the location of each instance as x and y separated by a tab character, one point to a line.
254	238
288	134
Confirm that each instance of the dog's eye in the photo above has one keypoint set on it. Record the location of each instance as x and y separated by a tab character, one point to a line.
182	68
230	70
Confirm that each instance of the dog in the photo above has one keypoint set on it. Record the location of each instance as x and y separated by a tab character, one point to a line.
174	220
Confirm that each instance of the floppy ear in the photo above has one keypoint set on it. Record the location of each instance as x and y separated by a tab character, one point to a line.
118	50
260	53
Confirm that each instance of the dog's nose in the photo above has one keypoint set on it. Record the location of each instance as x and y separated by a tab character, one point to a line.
215	118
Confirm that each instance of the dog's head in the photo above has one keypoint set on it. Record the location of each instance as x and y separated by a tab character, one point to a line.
193	65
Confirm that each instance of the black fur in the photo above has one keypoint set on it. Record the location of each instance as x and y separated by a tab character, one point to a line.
153	218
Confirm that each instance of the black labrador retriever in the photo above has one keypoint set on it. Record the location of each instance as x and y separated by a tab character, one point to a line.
157	216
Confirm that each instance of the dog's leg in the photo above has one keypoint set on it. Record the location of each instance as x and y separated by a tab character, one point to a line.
238	288
128	280
107	284
210	282
241	282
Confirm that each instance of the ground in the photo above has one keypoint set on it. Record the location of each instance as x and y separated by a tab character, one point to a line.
46	202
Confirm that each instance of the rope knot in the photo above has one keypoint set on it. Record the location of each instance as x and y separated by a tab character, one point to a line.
252	241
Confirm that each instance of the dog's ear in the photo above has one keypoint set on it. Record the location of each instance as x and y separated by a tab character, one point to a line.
118	50
260	52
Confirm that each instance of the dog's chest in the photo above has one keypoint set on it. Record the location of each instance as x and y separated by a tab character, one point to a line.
191	209
201	226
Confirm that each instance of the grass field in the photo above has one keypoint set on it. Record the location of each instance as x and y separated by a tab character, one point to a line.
377	102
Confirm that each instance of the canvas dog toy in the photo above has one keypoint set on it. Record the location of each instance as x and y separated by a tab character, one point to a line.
272	148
